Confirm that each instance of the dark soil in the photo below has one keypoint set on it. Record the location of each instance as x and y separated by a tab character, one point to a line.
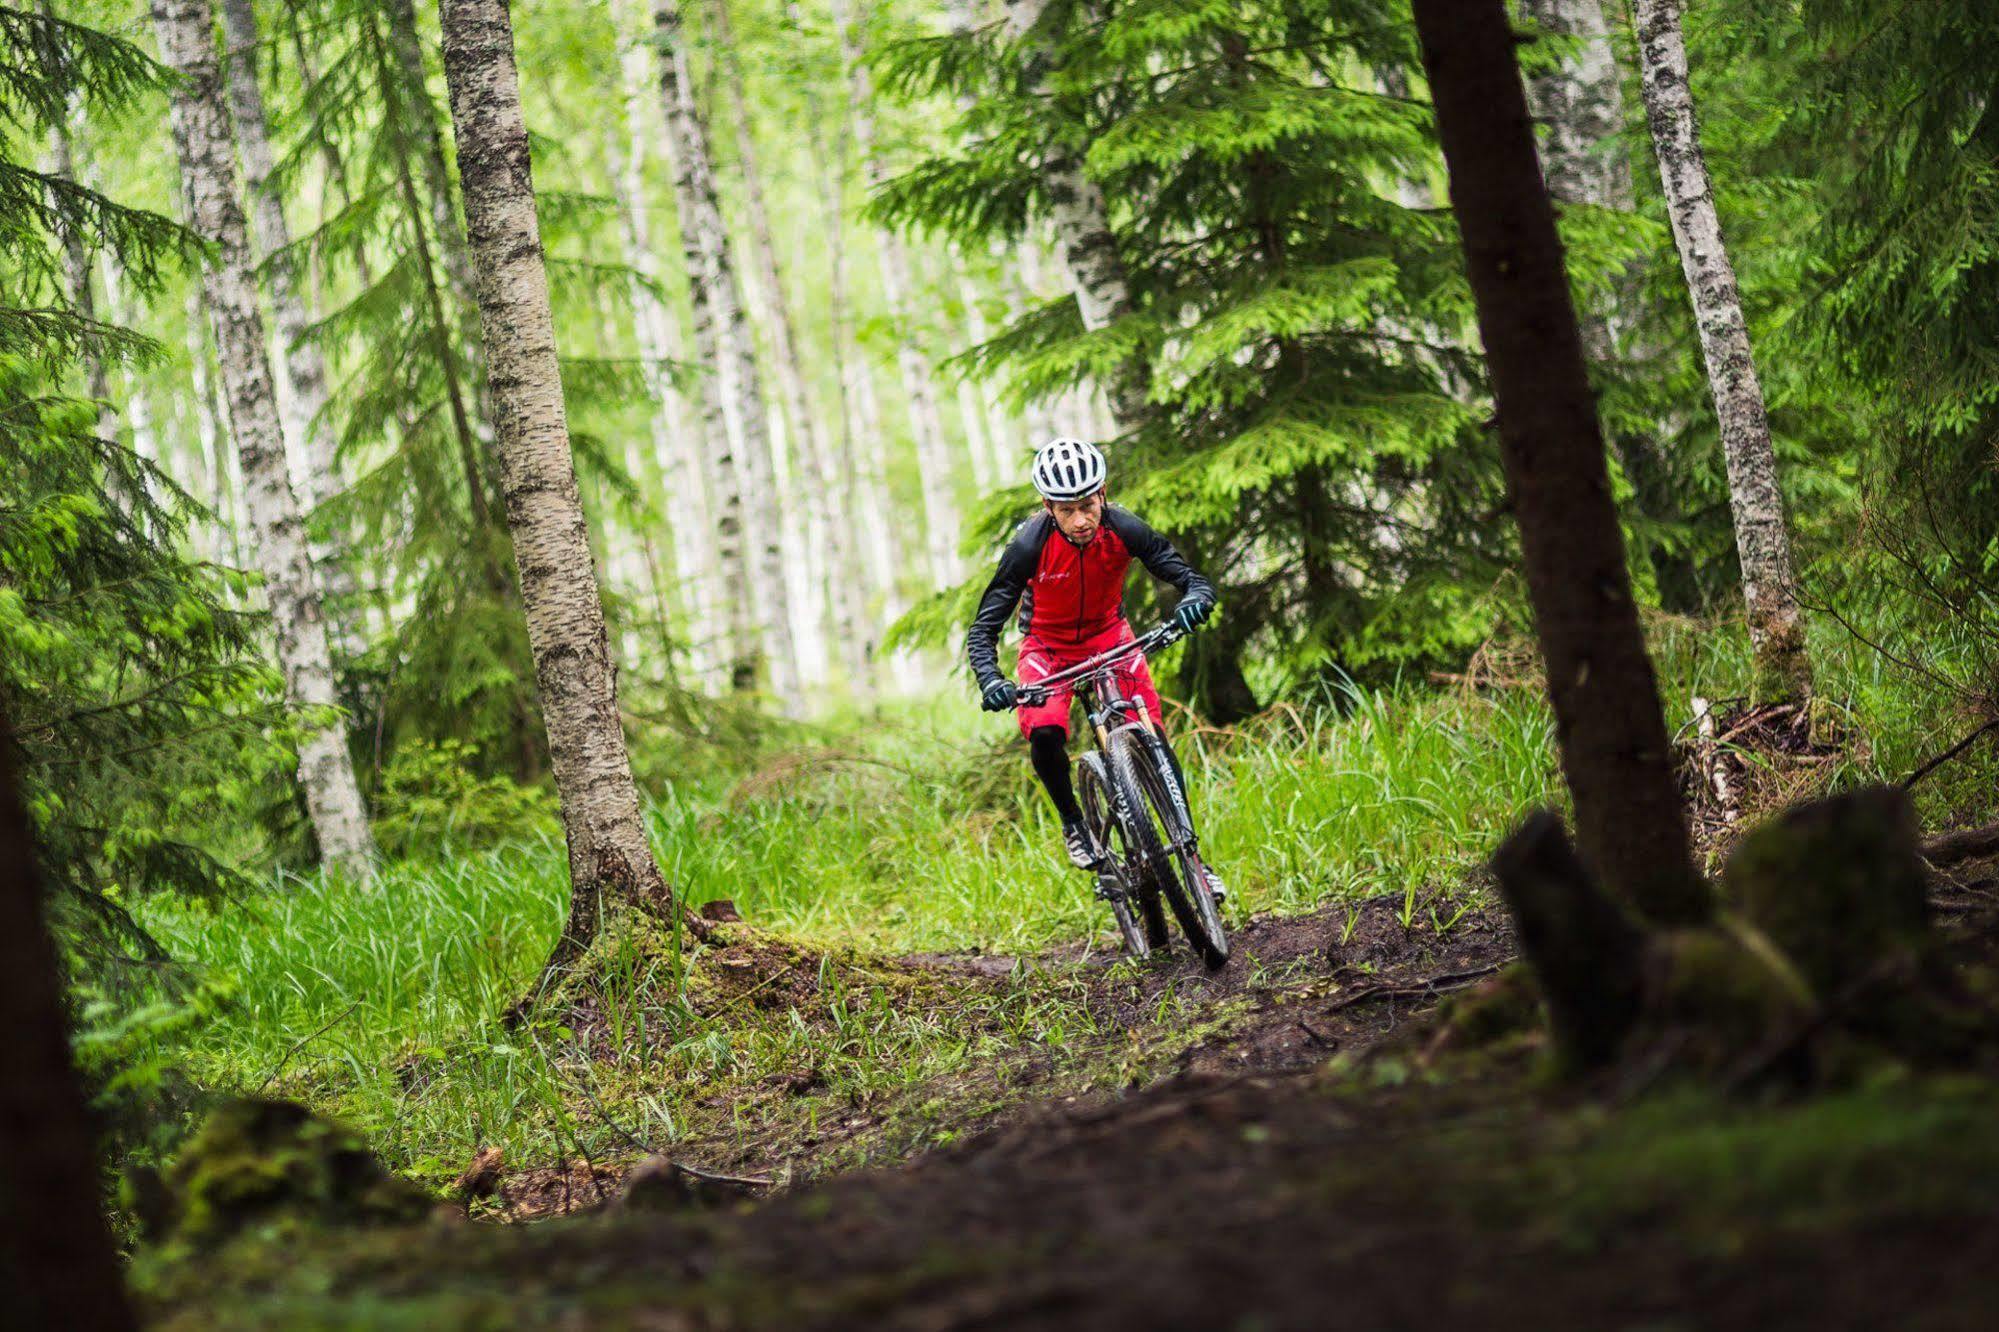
1301	989
1296	1166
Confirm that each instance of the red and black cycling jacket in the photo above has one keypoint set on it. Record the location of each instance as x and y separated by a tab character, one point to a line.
1068	594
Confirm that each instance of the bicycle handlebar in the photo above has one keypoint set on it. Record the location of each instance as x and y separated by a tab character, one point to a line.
1146	643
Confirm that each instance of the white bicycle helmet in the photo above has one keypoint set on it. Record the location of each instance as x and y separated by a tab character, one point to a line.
1069	469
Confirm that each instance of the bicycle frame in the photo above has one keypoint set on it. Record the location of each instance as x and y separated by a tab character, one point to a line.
1104	701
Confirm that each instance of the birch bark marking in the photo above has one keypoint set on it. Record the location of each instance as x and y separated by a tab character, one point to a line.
1612	736
186	30
677	445
301	369
608	850
730	484
1580	107
1097	273
1776	622
933	461
761	529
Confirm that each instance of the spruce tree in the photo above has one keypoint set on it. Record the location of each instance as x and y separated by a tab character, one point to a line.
123	670
1312	430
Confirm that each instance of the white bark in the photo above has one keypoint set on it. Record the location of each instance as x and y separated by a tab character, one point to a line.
186	31
1580	107
1097	273
219	537
300	367
1776	621
608	849
825	548
678	446
722	333
933	455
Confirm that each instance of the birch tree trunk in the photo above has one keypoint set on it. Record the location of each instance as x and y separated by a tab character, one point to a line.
863	583
747	482
58	1265
1580	108
301	369
1083	232
608	850
186	31
677	444
933	461
222	534
1612	736
1776	621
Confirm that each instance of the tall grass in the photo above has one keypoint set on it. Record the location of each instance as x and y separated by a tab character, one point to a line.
922	830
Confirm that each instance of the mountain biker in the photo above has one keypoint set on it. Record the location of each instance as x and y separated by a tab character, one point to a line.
1065	569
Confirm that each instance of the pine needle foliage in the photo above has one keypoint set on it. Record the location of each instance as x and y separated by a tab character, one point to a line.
123	670
1312	431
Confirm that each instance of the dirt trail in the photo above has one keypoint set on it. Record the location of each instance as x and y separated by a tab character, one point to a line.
1299	990
1254	1185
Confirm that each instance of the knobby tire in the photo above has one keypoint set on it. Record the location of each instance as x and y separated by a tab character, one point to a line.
1140	921
1179	875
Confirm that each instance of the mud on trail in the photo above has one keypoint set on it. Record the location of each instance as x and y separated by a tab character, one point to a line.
1301	1161
1299	991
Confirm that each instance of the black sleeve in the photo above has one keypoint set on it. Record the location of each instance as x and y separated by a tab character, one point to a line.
1157	553
1016	567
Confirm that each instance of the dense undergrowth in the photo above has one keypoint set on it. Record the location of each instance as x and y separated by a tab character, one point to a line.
918	831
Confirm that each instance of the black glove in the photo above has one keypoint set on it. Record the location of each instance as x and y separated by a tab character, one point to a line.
999	694
1191	612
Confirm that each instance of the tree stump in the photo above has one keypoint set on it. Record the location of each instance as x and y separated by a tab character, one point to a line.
1586	953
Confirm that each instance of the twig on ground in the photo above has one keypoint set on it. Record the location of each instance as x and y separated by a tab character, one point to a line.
1436	985
304	1041
1947	755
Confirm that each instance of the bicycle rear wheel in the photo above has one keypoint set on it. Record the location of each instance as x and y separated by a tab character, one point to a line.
1140	921
1162	830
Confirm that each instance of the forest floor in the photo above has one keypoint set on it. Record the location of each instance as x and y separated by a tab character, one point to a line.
1286	1150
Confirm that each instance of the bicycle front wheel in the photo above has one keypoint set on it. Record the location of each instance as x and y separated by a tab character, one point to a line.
1133	903
1161	829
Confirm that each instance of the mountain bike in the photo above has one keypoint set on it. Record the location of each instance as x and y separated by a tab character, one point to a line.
1136	810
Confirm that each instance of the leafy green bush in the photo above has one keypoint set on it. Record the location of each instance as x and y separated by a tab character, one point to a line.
433	799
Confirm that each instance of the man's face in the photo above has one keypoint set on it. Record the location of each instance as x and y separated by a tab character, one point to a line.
1079	519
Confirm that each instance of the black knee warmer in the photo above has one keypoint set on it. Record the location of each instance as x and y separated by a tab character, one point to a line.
1049	746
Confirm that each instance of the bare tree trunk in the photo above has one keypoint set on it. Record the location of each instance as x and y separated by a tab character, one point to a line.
1776	621
1613	739
1089	247
756	522
863	582
608	850
58	1268
201	136
301	369
678	446
222	535
726	469
933	459
1580	107
826	539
